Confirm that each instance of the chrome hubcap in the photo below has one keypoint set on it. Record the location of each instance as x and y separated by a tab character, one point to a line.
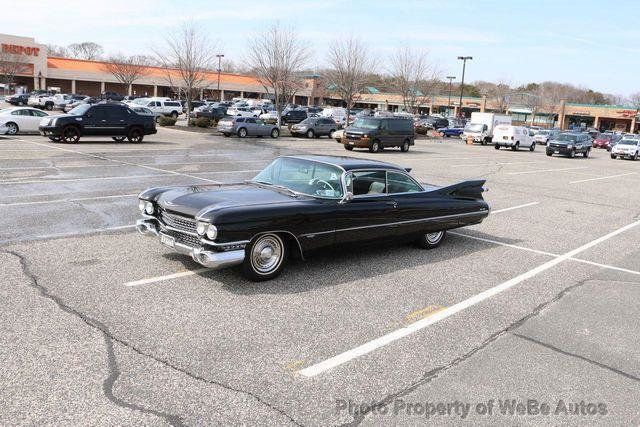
434	238
266	254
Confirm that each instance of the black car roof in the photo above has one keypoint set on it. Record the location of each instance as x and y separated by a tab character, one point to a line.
349	163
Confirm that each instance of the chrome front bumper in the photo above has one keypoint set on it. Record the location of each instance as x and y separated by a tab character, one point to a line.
210	259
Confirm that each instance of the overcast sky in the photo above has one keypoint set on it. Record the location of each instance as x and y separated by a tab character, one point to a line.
590	43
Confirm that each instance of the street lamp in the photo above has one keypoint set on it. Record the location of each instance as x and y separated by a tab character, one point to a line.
464	65
219	56
451	79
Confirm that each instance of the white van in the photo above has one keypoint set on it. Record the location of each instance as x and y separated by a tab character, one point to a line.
513	137
338	114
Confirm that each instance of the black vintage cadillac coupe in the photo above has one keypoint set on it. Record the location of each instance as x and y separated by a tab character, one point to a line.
298	204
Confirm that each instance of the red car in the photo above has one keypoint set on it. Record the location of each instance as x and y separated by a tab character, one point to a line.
605	140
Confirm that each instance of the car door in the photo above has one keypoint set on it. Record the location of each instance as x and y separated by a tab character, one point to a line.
32	122
117	119
252	127
370	213
94	121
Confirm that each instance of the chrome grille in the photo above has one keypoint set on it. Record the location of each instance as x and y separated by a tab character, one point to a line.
178	222
185	239
353	136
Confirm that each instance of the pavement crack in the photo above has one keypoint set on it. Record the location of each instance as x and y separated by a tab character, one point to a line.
110	339
435	372
114	371
578	356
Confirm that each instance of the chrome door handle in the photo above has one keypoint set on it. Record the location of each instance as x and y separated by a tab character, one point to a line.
394	204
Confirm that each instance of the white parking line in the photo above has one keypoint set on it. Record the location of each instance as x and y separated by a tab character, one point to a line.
492	164
166	277
99	178
515	207
545	170
80	199
603	177
384	340
123	162
71	234
583	261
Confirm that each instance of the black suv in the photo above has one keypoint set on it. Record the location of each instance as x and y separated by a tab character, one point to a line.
293	117
112	96
570	144
104	119
376	133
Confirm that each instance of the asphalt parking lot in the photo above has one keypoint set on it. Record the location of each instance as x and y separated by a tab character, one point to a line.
104	326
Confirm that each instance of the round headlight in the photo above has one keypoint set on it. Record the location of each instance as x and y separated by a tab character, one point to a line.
212	232
148	208
201	228
141	205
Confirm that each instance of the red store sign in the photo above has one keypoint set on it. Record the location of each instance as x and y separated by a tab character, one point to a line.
20	50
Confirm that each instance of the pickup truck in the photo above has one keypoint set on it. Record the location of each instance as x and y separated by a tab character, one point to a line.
42	100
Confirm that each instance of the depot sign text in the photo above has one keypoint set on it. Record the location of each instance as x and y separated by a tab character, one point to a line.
20	50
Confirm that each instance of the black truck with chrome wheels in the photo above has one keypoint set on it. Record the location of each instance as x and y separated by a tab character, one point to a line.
113	120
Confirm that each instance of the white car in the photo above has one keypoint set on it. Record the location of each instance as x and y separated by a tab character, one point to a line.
627	148
513	137
20	120
243	112
543	136
270	116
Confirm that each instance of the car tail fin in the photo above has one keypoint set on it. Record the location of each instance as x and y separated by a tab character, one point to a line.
465	190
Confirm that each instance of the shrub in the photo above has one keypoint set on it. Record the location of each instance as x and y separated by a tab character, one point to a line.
203	122
167	121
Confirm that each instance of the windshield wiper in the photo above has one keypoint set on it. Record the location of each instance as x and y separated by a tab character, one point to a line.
275	186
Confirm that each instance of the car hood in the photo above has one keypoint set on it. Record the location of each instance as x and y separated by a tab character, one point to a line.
195	201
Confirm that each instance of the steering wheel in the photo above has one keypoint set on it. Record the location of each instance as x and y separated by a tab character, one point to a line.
326	185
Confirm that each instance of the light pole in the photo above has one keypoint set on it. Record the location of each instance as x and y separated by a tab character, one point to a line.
451	79
219	56
464	65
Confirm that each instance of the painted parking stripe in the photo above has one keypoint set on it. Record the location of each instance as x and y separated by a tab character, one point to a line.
166	277
387	339
95	156
493	164
523	248
79	199
546	170
71	234
515	207
603	177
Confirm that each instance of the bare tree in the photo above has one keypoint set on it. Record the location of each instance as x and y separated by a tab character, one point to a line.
277	56
350	64
127	69
410	70
187	55
55	50
85	50
11	64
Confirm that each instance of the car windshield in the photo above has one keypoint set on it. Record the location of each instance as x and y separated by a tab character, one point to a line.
628	142
473	127
303	176
306	122
366	123
566	137
80	109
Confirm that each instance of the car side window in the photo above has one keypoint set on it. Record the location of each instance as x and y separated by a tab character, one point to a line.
16	113
251	120
401	183
363	183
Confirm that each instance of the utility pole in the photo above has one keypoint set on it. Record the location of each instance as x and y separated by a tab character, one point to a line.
451	79
219	56
464	65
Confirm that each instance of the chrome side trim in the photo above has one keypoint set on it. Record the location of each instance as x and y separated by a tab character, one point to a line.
389	224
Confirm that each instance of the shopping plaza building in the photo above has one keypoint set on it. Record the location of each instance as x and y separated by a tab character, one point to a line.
66	75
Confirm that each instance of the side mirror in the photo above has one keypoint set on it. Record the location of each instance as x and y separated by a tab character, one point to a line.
347	197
